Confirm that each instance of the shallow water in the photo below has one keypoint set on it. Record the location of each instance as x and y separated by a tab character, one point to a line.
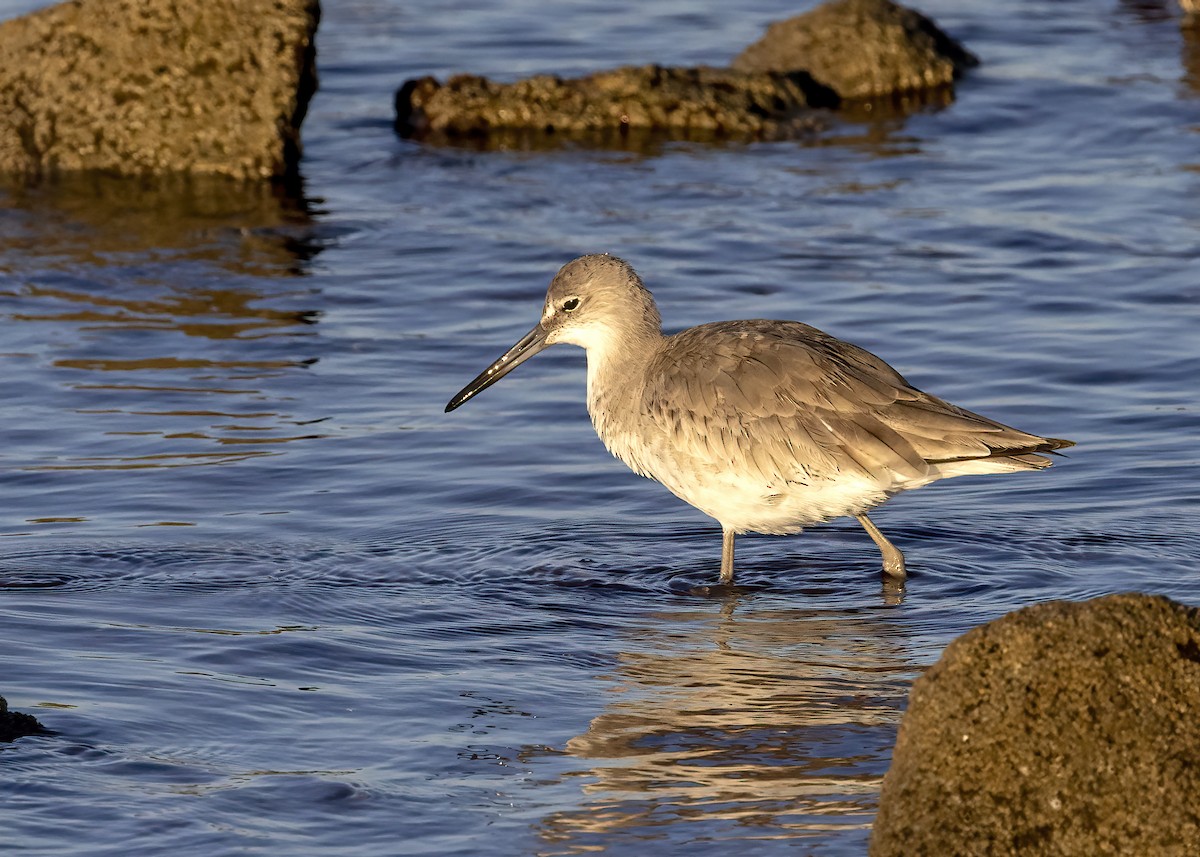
272	600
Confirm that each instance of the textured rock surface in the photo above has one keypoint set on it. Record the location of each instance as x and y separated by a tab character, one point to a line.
1061	729
14	724
143	87
699	101
863	49
844	49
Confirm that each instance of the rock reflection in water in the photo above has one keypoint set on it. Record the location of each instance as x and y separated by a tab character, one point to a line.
156	325
96	220
212	313
157	385
779	719
1191	55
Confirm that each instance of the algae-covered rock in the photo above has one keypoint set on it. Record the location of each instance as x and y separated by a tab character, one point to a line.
147	87
863	49
703	102
778	87
1062	729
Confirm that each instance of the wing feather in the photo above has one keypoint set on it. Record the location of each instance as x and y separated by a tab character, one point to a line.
797	405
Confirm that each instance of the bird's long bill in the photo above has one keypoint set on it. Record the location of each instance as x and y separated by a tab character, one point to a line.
530	344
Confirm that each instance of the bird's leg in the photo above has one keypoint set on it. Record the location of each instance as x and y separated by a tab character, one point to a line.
727	556
893	560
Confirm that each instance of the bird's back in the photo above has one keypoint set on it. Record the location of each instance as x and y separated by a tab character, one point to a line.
780	406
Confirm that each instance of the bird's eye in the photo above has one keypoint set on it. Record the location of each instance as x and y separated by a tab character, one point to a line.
570	304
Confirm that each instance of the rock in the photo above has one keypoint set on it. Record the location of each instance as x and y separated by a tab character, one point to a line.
858	49
1060	729
149	87
863	49
14	724
691	102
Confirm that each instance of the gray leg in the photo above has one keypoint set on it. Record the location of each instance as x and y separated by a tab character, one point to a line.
893	560
727	556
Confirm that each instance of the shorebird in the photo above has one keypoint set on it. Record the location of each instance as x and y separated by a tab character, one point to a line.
765	426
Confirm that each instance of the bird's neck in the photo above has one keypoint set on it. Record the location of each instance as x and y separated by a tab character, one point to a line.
616	379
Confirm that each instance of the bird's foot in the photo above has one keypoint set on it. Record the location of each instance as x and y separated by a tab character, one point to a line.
893	567
716	590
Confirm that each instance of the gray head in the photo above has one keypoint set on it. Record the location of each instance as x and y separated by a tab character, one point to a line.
597	302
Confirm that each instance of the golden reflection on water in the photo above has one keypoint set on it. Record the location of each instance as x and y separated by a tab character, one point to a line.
132	306
139	462
207	313
85	221
171	363
776	721
1190	58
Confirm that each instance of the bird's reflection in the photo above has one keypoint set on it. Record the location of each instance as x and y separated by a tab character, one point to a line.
775	722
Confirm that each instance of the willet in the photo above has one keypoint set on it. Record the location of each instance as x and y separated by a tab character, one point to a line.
766	426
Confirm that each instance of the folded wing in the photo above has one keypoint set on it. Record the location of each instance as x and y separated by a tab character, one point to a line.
799	406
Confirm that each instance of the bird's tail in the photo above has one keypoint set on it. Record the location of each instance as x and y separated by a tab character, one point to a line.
1033	457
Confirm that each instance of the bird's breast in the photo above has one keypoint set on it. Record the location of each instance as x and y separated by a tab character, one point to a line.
624	430
718	468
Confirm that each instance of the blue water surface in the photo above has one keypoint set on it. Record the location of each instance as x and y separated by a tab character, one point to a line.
271	600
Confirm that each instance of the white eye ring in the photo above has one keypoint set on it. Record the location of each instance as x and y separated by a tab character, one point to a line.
570	304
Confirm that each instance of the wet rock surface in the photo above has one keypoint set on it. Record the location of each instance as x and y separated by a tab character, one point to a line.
1061	729
781	87
148	87
704	102
14	724
862	49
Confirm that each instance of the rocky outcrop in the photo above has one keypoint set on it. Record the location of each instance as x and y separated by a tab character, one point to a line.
862	49
1061	729
148	87
693	102
14	724
845	49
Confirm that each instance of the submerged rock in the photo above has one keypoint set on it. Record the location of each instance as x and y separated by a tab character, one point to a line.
14	724
863	49
1063	729
704	102
146	87
778	87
